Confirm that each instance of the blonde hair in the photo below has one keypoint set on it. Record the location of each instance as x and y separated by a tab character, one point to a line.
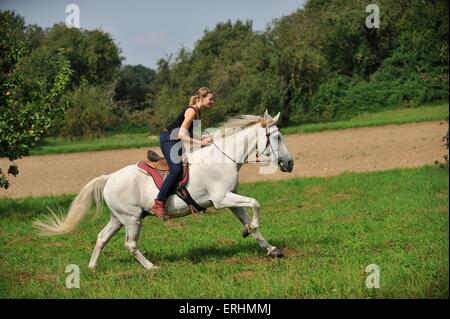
202	92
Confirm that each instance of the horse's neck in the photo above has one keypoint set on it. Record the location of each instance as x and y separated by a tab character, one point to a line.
238	146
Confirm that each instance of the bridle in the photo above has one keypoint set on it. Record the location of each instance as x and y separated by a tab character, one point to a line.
258	154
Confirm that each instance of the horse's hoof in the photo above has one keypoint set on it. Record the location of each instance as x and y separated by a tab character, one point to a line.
277	253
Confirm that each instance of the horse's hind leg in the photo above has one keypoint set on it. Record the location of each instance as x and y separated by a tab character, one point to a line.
272	251
131	243
103	237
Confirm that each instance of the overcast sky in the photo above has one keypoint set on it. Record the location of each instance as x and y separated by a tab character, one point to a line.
149	30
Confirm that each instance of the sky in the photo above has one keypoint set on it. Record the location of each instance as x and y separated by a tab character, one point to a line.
149	30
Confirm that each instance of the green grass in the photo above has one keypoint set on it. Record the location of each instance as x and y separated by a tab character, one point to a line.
330	228
54	145
120	141
398	116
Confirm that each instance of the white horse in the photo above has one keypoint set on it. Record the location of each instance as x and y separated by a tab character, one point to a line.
213	181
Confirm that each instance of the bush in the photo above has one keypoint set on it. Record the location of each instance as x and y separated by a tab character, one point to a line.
133	122
90	113
339	97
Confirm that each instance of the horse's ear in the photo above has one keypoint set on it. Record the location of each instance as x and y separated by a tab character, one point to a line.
267	117
275	119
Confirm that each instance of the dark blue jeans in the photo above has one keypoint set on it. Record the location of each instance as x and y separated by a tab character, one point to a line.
172	150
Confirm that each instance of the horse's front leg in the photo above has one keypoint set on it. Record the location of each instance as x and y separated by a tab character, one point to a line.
273	251
235	200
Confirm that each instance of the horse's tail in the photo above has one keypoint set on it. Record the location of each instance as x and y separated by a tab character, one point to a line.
54	224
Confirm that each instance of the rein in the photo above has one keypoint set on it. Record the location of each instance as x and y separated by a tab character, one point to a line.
258	154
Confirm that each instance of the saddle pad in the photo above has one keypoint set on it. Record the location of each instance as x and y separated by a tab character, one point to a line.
145	168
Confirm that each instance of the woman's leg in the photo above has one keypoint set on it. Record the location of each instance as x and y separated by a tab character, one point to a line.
175	165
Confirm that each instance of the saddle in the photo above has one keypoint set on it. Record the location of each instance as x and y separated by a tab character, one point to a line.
156	161
158	168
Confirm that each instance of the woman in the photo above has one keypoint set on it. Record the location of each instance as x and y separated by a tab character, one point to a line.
174	135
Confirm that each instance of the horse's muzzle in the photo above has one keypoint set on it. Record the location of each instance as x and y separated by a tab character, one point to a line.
286	165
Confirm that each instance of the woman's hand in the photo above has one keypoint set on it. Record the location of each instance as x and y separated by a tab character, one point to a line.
206	141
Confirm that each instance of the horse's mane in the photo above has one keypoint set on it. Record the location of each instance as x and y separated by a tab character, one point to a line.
235	124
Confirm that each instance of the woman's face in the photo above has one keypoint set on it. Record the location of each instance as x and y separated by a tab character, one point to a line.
208	100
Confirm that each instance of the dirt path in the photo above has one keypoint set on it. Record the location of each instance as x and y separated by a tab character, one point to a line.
316	154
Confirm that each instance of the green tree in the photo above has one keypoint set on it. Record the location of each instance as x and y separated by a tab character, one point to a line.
27	110
135	87
12	39
93	55
24	122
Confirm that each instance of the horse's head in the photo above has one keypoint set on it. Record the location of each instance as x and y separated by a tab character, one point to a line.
276	149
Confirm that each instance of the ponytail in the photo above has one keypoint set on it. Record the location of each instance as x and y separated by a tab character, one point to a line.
202	92
193	100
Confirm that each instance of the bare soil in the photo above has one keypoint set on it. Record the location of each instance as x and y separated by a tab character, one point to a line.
316	154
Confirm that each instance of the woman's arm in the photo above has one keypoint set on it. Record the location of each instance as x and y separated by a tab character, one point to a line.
183	135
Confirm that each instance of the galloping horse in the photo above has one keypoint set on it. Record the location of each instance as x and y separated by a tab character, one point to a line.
214	179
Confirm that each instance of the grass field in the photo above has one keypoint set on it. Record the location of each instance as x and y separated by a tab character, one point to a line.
54	145
330	228
397	116
120	141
